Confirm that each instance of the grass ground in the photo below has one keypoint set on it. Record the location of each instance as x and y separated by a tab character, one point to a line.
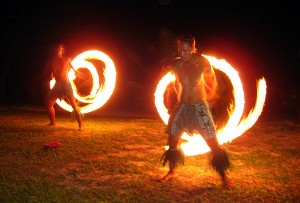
117	159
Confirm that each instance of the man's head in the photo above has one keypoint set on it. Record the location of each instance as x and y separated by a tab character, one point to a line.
60	50
186	46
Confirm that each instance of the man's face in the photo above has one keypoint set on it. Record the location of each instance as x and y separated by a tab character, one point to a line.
60	50
185	51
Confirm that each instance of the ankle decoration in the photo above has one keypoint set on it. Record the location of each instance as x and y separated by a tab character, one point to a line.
220	161
173	156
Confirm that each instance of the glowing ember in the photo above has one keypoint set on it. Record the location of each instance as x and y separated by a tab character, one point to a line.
235	127
99	95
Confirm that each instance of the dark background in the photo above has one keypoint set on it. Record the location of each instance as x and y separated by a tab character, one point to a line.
256	38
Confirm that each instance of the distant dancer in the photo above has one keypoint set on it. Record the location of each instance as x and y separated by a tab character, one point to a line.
59	67
195	85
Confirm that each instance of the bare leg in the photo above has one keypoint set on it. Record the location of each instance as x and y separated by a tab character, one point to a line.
168	176
77	114
227	183
50	109
173	144
223	161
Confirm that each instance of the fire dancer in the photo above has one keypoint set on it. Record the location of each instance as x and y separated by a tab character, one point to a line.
59	67
195	86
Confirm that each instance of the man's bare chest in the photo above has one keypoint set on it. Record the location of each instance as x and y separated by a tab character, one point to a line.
189	73
59	65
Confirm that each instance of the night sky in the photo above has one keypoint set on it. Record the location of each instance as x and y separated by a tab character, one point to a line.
257	39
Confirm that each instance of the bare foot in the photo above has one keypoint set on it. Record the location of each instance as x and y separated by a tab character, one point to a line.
51	124
167	177
227	183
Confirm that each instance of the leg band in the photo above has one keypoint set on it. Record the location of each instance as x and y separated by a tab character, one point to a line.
173	156
220	161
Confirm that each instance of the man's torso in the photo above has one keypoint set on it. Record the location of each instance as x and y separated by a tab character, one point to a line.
60	68
191	88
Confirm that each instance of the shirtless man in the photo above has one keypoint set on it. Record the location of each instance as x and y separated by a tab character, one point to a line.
195	84
59	66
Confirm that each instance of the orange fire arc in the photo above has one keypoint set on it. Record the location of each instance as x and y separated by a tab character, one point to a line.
99	94
235	126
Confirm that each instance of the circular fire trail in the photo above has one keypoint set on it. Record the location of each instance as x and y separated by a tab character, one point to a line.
99	94
235	126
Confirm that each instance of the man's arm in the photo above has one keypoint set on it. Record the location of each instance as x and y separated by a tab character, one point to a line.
170	96
70	64
210	81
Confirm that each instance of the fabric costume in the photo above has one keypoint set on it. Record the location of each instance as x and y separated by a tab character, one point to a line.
61	89
196	118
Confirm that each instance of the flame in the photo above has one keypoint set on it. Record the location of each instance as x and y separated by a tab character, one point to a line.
99	95
235	127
